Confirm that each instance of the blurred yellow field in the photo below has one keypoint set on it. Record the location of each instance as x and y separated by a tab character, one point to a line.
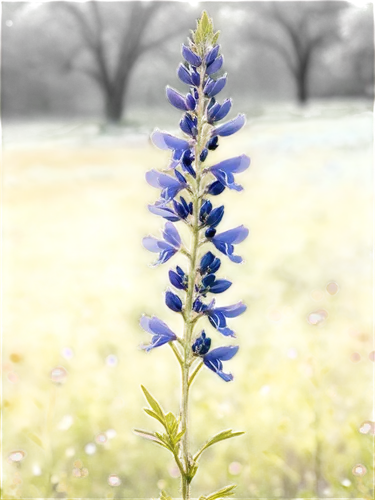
76	281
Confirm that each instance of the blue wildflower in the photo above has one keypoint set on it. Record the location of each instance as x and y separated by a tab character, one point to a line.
189	77
180	211
166	247
209	264
213	87
189	124
213	360
217	112
173	301
169	186
217	315
163	140
224	171
224	241
201	345
179	279
162	334
210	217
210	284
203	155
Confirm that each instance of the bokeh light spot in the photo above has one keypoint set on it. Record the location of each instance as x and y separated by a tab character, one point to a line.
367	427
37	471
359	470
111	433
67	353
372	356
161	484
274	314
332	287
235	468
12	377
65	423
16	358
58	375
114	480
90	449
70	452
173	471
355	357
316	295
101	438
317	317
16	456
346	482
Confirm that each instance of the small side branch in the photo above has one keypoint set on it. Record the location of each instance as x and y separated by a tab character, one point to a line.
195	372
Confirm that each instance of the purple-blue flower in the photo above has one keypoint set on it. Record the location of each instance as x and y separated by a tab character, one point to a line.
173	301
210	217
189	77
180	211
169	186
224	171
217	111
166	247
212	54
190	56
215	65
213	360
163	140
224	241
210	284
178	279
213	87
217	315
162	334
209	264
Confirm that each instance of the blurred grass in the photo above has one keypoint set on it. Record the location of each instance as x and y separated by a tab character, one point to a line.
76	276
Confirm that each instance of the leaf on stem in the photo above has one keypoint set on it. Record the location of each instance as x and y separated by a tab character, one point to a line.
227	491
216	439
153	403
164	496
151	436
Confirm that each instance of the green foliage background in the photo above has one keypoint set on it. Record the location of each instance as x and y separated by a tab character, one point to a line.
75	275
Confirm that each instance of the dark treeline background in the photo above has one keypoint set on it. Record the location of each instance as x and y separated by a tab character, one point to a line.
111	60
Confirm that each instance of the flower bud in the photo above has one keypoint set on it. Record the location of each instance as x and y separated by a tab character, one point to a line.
190	56
210	232
176	99
184	75
172	301
215	66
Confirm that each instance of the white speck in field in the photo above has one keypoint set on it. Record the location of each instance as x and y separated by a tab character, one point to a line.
114	480
366	427
346	482
111	360
59	375
359	470
332	287
292	353
101	438
65	423
67	353
264	390
235	468
90	449
317	317
111	433
16	456
37	471
12	377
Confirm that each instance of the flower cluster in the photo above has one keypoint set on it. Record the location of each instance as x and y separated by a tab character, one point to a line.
188	189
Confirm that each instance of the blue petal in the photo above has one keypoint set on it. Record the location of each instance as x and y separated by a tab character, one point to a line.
184	75
217	87
212	54
230	127
224	353
206	260
154	245
165	212
215	217
217	319
233	236
173	301
232	165
190	102
163	140
224	110
176	280
215	66
156	326
220	286
171	235
233	311
215	188
176	99
165	256
190	56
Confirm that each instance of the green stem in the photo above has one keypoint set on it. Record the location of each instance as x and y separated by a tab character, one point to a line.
188	316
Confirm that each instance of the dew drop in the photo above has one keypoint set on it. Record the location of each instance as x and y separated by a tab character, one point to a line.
317	317
101	438
59	375
111	360
16	456
332	287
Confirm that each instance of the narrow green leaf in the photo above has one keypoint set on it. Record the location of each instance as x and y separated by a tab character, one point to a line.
177	437
36	439
153	403
150	436
221	436
154	415
164	496
227	491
